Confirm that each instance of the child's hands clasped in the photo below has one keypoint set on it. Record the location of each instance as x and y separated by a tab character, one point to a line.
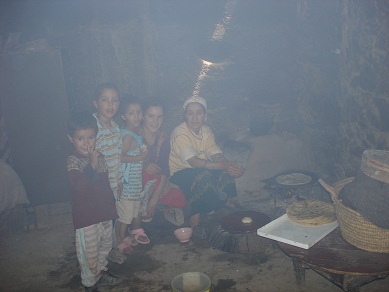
93	156
143	152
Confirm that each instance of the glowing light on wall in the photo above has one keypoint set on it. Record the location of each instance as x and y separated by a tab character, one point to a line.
217	35
220	29
204	69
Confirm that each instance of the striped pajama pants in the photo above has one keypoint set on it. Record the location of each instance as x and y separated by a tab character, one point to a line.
93	244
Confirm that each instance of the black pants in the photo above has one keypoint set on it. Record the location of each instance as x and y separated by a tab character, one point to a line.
205	190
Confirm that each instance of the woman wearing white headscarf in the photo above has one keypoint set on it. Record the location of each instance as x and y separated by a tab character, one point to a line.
198	167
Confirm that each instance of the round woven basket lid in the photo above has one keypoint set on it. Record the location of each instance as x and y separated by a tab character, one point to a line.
375	164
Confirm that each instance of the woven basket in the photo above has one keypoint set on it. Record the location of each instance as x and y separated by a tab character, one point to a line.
354	228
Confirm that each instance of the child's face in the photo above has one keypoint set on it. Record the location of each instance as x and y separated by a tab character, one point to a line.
133	115
84	141
153	118
107	104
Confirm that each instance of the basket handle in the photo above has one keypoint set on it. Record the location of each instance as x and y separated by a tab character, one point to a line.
340	184
329	189
336	188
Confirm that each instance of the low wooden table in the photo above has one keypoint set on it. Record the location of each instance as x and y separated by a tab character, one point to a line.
338	261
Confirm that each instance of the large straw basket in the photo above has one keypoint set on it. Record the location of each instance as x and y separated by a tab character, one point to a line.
354	228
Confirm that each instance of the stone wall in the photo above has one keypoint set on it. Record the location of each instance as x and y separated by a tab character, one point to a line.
364	75
317	69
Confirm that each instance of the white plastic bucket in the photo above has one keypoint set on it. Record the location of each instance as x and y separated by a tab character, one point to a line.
191	282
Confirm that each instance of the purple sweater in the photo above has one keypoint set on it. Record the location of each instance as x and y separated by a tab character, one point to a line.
160	156
92	197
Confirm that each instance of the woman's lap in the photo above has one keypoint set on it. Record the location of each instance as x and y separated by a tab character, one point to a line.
205	190
174	197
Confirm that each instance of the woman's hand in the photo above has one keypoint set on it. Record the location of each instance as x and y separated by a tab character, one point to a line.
234	169
153	169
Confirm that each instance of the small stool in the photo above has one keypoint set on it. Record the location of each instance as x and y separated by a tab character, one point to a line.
338	261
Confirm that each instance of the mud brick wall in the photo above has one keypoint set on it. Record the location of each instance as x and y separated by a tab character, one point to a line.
317	69
364	75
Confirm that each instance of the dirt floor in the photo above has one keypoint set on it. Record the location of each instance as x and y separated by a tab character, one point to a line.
45	259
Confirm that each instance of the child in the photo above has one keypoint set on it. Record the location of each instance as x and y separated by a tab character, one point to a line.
132	156
108	143
93	203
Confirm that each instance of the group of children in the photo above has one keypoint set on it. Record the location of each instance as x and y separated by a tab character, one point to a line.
105	176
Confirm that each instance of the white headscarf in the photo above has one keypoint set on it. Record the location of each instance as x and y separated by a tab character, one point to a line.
197	99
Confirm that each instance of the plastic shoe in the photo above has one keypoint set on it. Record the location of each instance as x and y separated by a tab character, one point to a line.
124	248
108	279
140	233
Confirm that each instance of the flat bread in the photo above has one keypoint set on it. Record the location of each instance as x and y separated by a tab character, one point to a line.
293	179
247	220
311	212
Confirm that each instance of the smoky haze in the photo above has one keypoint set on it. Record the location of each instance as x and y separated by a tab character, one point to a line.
265	67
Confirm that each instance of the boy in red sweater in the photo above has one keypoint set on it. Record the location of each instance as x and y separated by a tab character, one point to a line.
93	203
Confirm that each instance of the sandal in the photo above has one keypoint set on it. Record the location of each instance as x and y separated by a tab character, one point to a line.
124	248
130	241
137	233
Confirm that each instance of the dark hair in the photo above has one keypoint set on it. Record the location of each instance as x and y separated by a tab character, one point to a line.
126	100
103	86
153	101
81	120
